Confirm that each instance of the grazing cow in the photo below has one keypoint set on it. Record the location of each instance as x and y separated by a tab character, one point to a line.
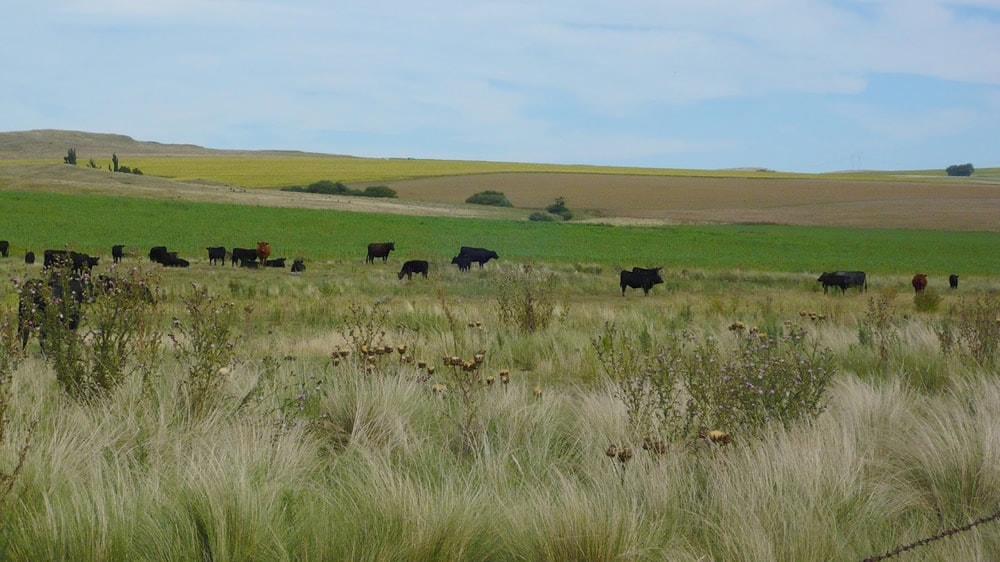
4	248
276	262
919	282
216	254
82	262
464	263
413	266
37	295
243	256
953	281
481	255
298	266
263	251
29	257
844	280
117	253
640	277
379	250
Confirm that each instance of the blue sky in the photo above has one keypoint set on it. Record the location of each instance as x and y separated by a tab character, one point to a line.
796	85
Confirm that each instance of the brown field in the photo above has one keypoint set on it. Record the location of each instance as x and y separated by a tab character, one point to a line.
825	200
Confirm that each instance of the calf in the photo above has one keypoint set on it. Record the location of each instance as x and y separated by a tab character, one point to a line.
640	277
298	266
276	262
216	254
29	257
464	263
117	253
413	266
953	281
4	248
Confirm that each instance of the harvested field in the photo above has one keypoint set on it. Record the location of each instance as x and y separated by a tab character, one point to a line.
670	199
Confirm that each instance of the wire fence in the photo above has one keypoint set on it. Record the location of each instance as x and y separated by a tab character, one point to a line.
925	541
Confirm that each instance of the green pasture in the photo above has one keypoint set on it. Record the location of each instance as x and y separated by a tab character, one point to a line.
89	223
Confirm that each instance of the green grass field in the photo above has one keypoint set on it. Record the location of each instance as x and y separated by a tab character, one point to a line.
92	224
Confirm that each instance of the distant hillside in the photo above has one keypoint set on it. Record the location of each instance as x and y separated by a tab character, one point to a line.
54	144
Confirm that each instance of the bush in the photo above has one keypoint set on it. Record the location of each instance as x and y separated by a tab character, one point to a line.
973	327
926	301
490	197
327	187
378	191
541	217
559	208
525	298
960	170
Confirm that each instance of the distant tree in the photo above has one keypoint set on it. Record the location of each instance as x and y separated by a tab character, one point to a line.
559	208
70	157
92	164
490	197
124	170
960	170
114	161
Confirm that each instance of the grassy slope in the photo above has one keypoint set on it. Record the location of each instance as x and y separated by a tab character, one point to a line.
93	223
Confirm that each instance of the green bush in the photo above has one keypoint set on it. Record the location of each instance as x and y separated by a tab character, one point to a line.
541	217
378	191
490	197
559	208
927	301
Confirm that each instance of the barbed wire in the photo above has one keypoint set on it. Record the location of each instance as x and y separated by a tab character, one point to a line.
943	534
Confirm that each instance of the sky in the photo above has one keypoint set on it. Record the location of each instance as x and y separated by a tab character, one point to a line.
790	85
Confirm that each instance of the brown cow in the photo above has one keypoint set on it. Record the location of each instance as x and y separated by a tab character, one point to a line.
919	282
263	251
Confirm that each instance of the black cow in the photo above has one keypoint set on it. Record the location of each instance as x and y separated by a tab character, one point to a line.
413	266
298	266
953	281
117	253
481	255
275	262
55	258
844	280
158	254
29	257
464	263
82	262
4	248
216	254
243	256
37	295
379	250
640	277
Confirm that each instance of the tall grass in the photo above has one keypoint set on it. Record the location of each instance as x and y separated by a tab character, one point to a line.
298	458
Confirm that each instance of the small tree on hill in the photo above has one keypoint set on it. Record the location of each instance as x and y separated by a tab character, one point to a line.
960	170
70	157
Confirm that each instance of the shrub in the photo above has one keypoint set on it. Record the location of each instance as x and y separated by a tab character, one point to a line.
490	197
558	207
205	343
541	216
645	380
973	327
878	330
378	191
525	298
767	379
926	301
